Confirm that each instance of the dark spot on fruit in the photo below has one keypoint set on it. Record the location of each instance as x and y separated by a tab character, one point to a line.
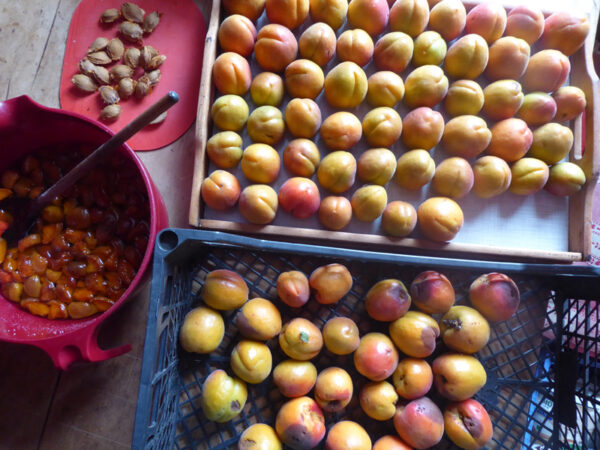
473	426
235	405
453	323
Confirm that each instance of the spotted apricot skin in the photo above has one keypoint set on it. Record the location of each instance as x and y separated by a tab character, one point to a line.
300	423
387	300
432	292
495	295
419	423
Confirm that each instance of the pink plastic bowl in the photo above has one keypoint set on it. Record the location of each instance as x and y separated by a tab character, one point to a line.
26	126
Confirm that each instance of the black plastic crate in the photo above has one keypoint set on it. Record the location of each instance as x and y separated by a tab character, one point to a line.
543	381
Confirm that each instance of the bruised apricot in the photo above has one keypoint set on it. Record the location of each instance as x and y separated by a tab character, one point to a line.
432	292
300	423
333	389
387	300
258	319
415	333
495	295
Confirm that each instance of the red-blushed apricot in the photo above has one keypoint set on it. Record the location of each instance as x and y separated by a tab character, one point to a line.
425	86
345	85
376	166
251	361
399	218
260	163
393	51
330	283
368	202
267	89
419	423
508	58
275	47
529	175
294	378
468	424
317	43
495	295
261	436
382	127
202	330
332	12
464	329
502	99
293	288
224	149
303	117
335	212
491	176
387	300
389	442
289	13
565	178
369	15
304	79
266	125
237	34
487	20
252	9
300	197
467	57
448	17
511	139
564	32
301	157
412	378
432	292
458	377
223	397
300	423
337	171
378	400
231	74
258	319
258	204
341	131
538	108
347	435
221	190
453	177
409	16
525	22
333	390
385	89
429	48
341	335
229	112
547	71
414	334
440	218
356	46
224	290
300	339
570	103
414	169
422	128
376	357
464	97
466	136
551	143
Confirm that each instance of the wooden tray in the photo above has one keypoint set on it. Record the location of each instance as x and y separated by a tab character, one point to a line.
579	229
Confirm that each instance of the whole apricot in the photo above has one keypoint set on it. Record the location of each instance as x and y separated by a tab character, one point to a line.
529	175
355	46
565	32
551	143
414	169
464	329
547	71
301	157
289	13
258	204
387	300
440	218
300	339
378	400
376	357
237	34
419	423
231	74
275	47
511	139
252	9
347	435
502	99
464	97
300	423
399	218
467	57
294	378
368	202
337	171
224	290
317	43
508	58
258	319
468	424
414	334
335	212
538	108
432	292
422	128
376	166
332	12
409	16
429	49
495	295
382	127
333	390
251	361
341	335
448	18
341	131
220	190
458	377
466	136
345	85
565	179
412	378
487	20
229	112
491	176
224	149
425	86
369	15
304	79
260	163
259	436
293	288
393	51
525	22
223	397
570	103
202	330
453	177
303	117
330	283
390	442
385	89
267	89
300	197
266	125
